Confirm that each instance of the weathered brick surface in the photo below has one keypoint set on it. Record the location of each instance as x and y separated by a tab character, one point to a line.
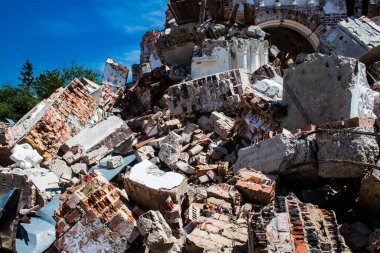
93	217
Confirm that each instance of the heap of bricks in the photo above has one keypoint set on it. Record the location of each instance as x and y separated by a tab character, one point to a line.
93	217
62	120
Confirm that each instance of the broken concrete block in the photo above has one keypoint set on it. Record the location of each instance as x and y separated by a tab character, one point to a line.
96	155
340	91
173	139
169	155
112	162
145	153
79	168
60	169
170	149
195	150
93	216
185	167
369	197
347	145
171	125
115	74
269	88
203	179
256	187
157	233
275	154
353	37
110	132
25	156
149	187
222	124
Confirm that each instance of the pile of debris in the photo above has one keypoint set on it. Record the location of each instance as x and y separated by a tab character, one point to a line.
224	142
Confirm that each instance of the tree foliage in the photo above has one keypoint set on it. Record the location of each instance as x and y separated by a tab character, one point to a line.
16	102
26	76
47	82
79	71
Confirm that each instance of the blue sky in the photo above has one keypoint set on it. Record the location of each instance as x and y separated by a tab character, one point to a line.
54	33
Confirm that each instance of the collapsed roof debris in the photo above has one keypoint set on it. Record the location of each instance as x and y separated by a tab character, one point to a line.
250	126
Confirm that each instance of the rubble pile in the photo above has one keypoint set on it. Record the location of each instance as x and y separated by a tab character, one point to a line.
237	134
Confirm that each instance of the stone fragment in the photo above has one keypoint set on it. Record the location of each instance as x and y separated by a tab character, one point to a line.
112	162
79	168
96	155
203	179
269	88
171	125
60	169
169	155
173	139
185	167
25	156
149	187
195	150
145	153
157	233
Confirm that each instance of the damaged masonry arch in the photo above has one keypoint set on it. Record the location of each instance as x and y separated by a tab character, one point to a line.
282	24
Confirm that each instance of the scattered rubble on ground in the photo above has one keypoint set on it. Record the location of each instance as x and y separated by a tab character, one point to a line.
248	127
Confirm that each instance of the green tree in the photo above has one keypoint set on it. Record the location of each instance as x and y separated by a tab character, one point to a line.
16	102
26	75
79	71
47	82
